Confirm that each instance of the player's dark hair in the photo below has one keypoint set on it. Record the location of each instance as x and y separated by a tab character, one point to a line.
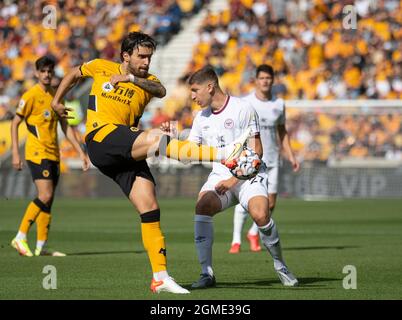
265	68
135	39
205	74
45	61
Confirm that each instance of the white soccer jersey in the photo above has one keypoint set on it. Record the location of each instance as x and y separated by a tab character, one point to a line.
271	114
218	129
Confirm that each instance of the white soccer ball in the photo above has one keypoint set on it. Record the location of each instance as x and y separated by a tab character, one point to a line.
246	166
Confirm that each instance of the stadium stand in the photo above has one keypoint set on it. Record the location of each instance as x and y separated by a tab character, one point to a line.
314	58
86	30
313	55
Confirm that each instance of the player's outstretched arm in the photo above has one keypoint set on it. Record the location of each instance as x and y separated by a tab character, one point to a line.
153	87
284	137
16	158
69	81
71	137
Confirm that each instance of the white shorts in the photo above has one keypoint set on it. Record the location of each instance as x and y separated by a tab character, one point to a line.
242	192
272	173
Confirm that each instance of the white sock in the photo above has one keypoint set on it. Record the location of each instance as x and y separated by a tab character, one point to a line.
239	218
270	238
204	238
253	231
40	244
21	236
158	276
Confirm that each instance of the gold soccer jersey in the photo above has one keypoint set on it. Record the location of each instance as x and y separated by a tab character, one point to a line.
122	104
41	122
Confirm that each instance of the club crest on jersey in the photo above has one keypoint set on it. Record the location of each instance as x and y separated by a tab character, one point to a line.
107	87
21	105
46	114
229	124
45	173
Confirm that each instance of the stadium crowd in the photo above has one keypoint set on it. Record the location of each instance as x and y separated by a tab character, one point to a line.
315	57
86	29
313	54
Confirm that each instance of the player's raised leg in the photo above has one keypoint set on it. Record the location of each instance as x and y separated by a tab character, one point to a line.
155	142
258	207
143	197
208	205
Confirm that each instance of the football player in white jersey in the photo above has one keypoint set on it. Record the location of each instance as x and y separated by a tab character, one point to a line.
222	119
272	116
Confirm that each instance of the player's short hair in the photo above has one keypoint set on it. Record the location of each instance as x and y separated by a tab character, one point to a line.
205	74
45	61
135	39
265	68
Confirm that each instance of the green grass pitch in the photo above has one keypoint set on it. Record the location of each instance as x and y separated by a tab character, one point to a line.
106	259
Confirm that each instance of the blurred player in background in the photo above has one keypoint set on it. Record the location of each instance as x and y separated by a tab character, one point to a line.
119	95
272	115
223	117
42	156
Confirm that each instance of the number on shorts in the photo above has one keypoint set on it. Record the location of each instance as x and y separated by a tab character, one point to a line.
261	179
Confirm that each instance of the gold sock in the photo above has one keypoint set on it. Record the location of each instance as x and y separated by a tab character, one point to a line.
43	225
31	213
153	240
190	151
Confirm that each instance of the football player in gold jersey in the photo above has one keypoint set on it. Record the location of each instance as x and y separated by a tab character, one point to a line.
41	154
119	95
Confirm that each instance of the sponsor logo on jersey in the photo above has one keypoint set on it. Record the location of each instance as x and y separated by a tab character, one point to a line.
221	141
107	87
229	123
120	93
